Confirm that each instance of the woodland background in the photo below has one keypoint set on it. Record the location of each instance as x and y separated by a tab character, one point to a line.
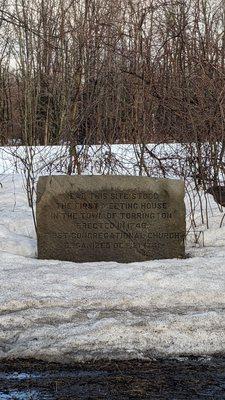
119	71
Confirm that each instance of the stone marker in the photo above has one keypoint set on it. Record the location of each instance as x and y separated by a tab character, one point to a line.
110	218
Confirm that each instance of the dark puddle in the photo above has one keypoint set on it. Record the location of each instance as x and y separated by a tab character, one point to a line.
183	378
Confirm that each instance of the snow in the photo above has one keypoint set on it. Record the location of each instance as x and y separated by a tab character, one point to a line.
64	311
67	312
17	233
117	159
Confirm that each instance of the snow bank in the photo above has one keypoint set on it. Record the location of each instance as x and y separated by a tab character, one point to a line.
65	311
60	311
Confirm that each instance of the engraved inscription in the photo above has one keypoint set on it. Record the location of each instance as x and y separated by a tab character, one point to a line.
109	222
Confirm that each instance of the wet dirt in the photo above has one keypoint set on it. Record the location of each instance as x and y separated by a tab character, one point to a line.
182	378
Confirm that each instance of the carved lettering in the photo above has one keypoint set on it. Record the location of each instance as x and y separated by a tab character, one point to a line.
109	222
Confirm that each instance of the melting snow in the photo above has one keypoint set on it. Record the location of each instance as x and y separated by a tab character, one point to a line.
61	311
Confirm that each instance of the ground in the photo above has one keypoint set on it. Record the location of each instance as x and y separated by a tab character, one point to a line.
61	311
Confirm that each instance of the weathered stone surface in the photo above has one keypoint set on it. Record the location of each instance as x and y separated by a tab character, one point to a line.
110	218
